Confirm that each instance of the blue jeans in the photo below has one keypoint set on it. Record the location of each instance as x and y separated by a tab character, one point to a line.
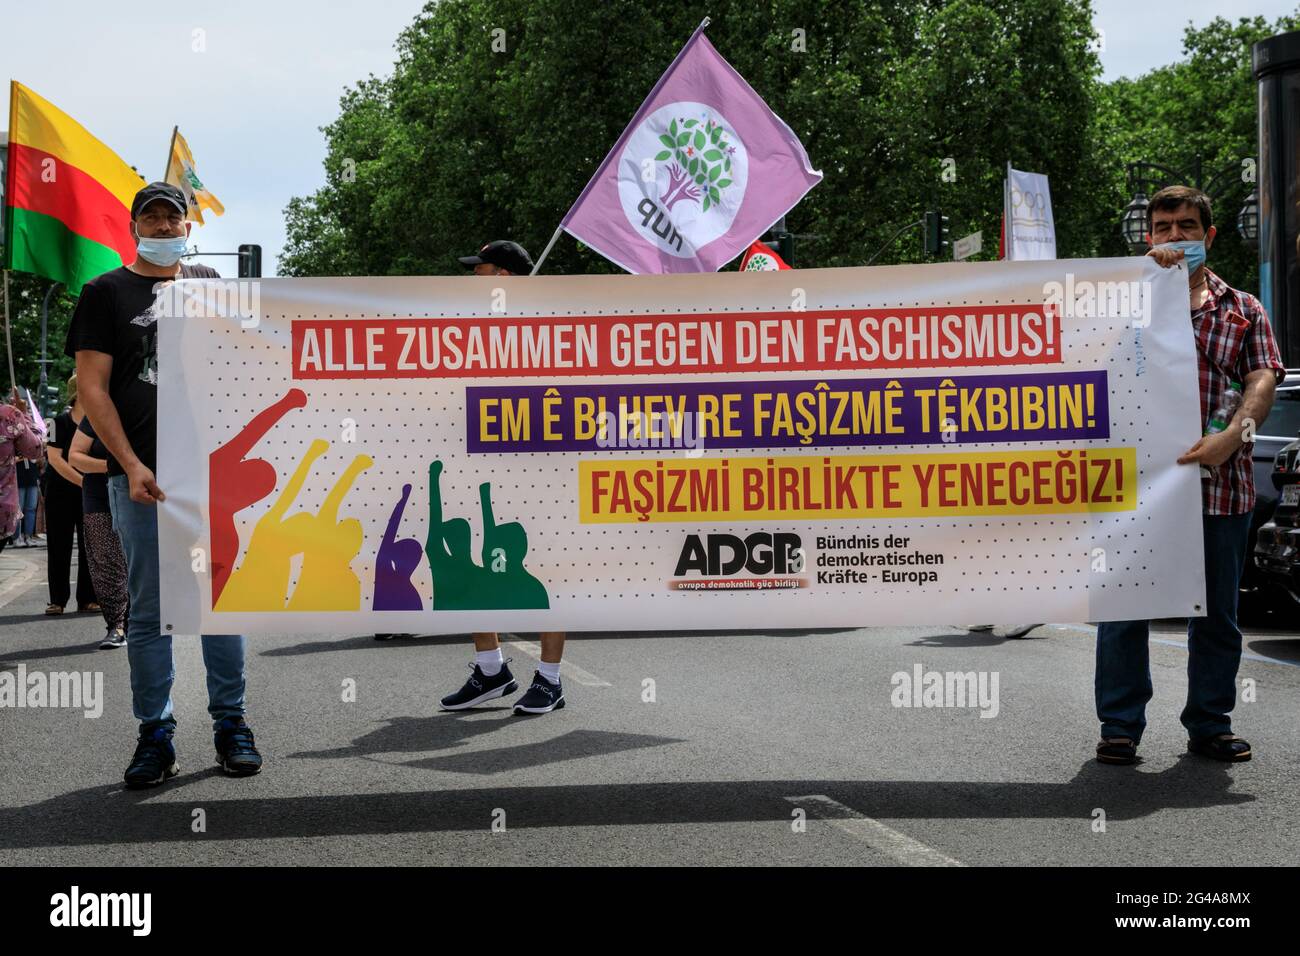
27	498
149	651
1123	684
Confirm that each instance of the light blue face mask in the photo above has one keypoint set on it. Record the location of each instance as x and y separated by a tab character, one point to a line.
1193	252
166	251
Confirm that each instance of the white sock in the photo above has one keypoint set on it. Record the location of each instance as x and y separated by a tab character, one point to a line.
550	671
489	662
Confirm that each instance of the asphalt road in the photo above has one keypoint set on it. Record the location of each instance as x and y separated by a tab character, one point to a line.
745	731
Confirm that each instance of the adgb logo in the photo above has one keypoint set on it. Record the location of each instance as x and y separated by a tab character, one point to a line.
700	173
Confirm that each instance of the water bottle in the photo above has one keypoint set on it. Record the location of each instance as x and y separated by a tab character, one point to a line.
1222	415
1228	406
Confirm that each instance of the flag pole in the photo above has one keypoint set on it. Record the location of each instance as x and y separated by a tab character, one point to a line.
9	342
555	235
171	150
618	144
1007	229
7	238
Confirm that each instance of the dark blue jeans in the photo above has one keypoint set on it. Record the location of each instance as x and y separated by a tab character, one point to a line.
148	650
1214	648
27	500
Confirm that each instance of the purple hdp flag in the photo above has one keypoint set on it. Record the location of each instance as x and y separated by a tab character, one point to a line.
703	169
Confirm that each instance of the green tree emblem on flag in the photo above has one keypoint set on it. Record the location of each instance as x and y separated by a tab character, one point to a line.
700	162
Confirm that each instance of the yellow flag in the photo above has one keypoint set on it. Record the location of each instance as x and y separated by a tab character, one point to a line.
180	172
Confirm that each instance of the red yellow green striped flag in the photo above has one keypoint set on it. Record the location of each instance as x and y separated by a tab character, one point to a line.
67	196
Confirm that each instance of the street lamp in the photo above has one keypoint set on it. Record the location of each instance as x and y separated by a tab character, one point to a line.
1134	224
1248	218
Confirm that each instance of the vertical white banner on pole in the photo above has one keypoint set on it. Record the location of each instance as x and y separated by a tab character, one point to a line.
1031	229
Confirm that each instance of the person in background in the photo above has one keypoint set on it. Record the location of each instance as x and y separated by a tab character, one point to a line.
63	514
490	675
18	439
107	560
29	476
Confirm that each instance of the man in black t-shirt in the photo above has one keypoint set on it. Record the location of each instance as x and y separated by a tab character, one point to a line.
113	337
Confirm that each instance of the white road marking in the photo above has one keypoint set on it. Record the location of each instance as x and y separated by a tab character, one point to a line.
897	846
16	579
586	678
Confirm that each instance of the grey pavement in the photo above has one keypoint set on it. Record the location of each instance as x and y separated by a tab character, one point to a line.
780	748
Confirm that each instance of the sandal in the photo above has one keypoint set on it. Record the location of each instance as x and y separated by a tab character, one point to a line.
91	608
53	609
1121	750
1226	747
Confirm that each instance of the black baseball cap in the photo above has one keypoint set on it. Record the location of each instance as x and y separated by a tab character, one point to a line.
154	191
504	253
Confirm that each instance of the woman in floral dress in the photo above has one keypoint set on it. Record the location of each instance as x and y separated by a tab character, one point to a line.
18	439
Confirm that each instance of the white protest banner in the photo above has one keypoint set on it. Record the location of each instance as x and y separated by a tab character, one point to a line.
1031	229
826	447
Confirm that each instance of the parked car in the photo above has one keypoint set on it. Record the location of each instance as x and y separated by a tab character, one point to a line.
1277	546
1264	583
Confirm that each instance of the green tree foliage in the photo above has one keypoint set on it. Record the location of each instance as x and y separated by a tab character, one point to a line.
26	293
1205	107
464	142
467	141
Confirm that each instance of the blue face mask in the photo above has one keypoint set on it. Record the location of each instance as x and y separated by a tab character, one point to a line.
1193	252
166	251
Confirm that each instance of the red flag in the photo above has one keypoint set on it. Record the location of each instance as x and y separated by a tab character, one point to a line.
760	258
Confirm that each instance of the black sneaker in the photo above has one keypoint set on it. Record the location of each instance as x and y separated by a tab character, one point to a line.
542	698
235	751
113	637
481	687
154	760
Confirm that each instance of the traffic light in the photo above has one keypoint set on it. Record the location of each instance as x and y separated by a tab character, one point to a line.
250	261
49	400
781	240
785	247
936	233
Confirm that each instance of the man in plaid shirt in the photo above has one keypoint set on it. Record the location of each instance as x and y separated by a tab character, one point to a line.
1234	343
